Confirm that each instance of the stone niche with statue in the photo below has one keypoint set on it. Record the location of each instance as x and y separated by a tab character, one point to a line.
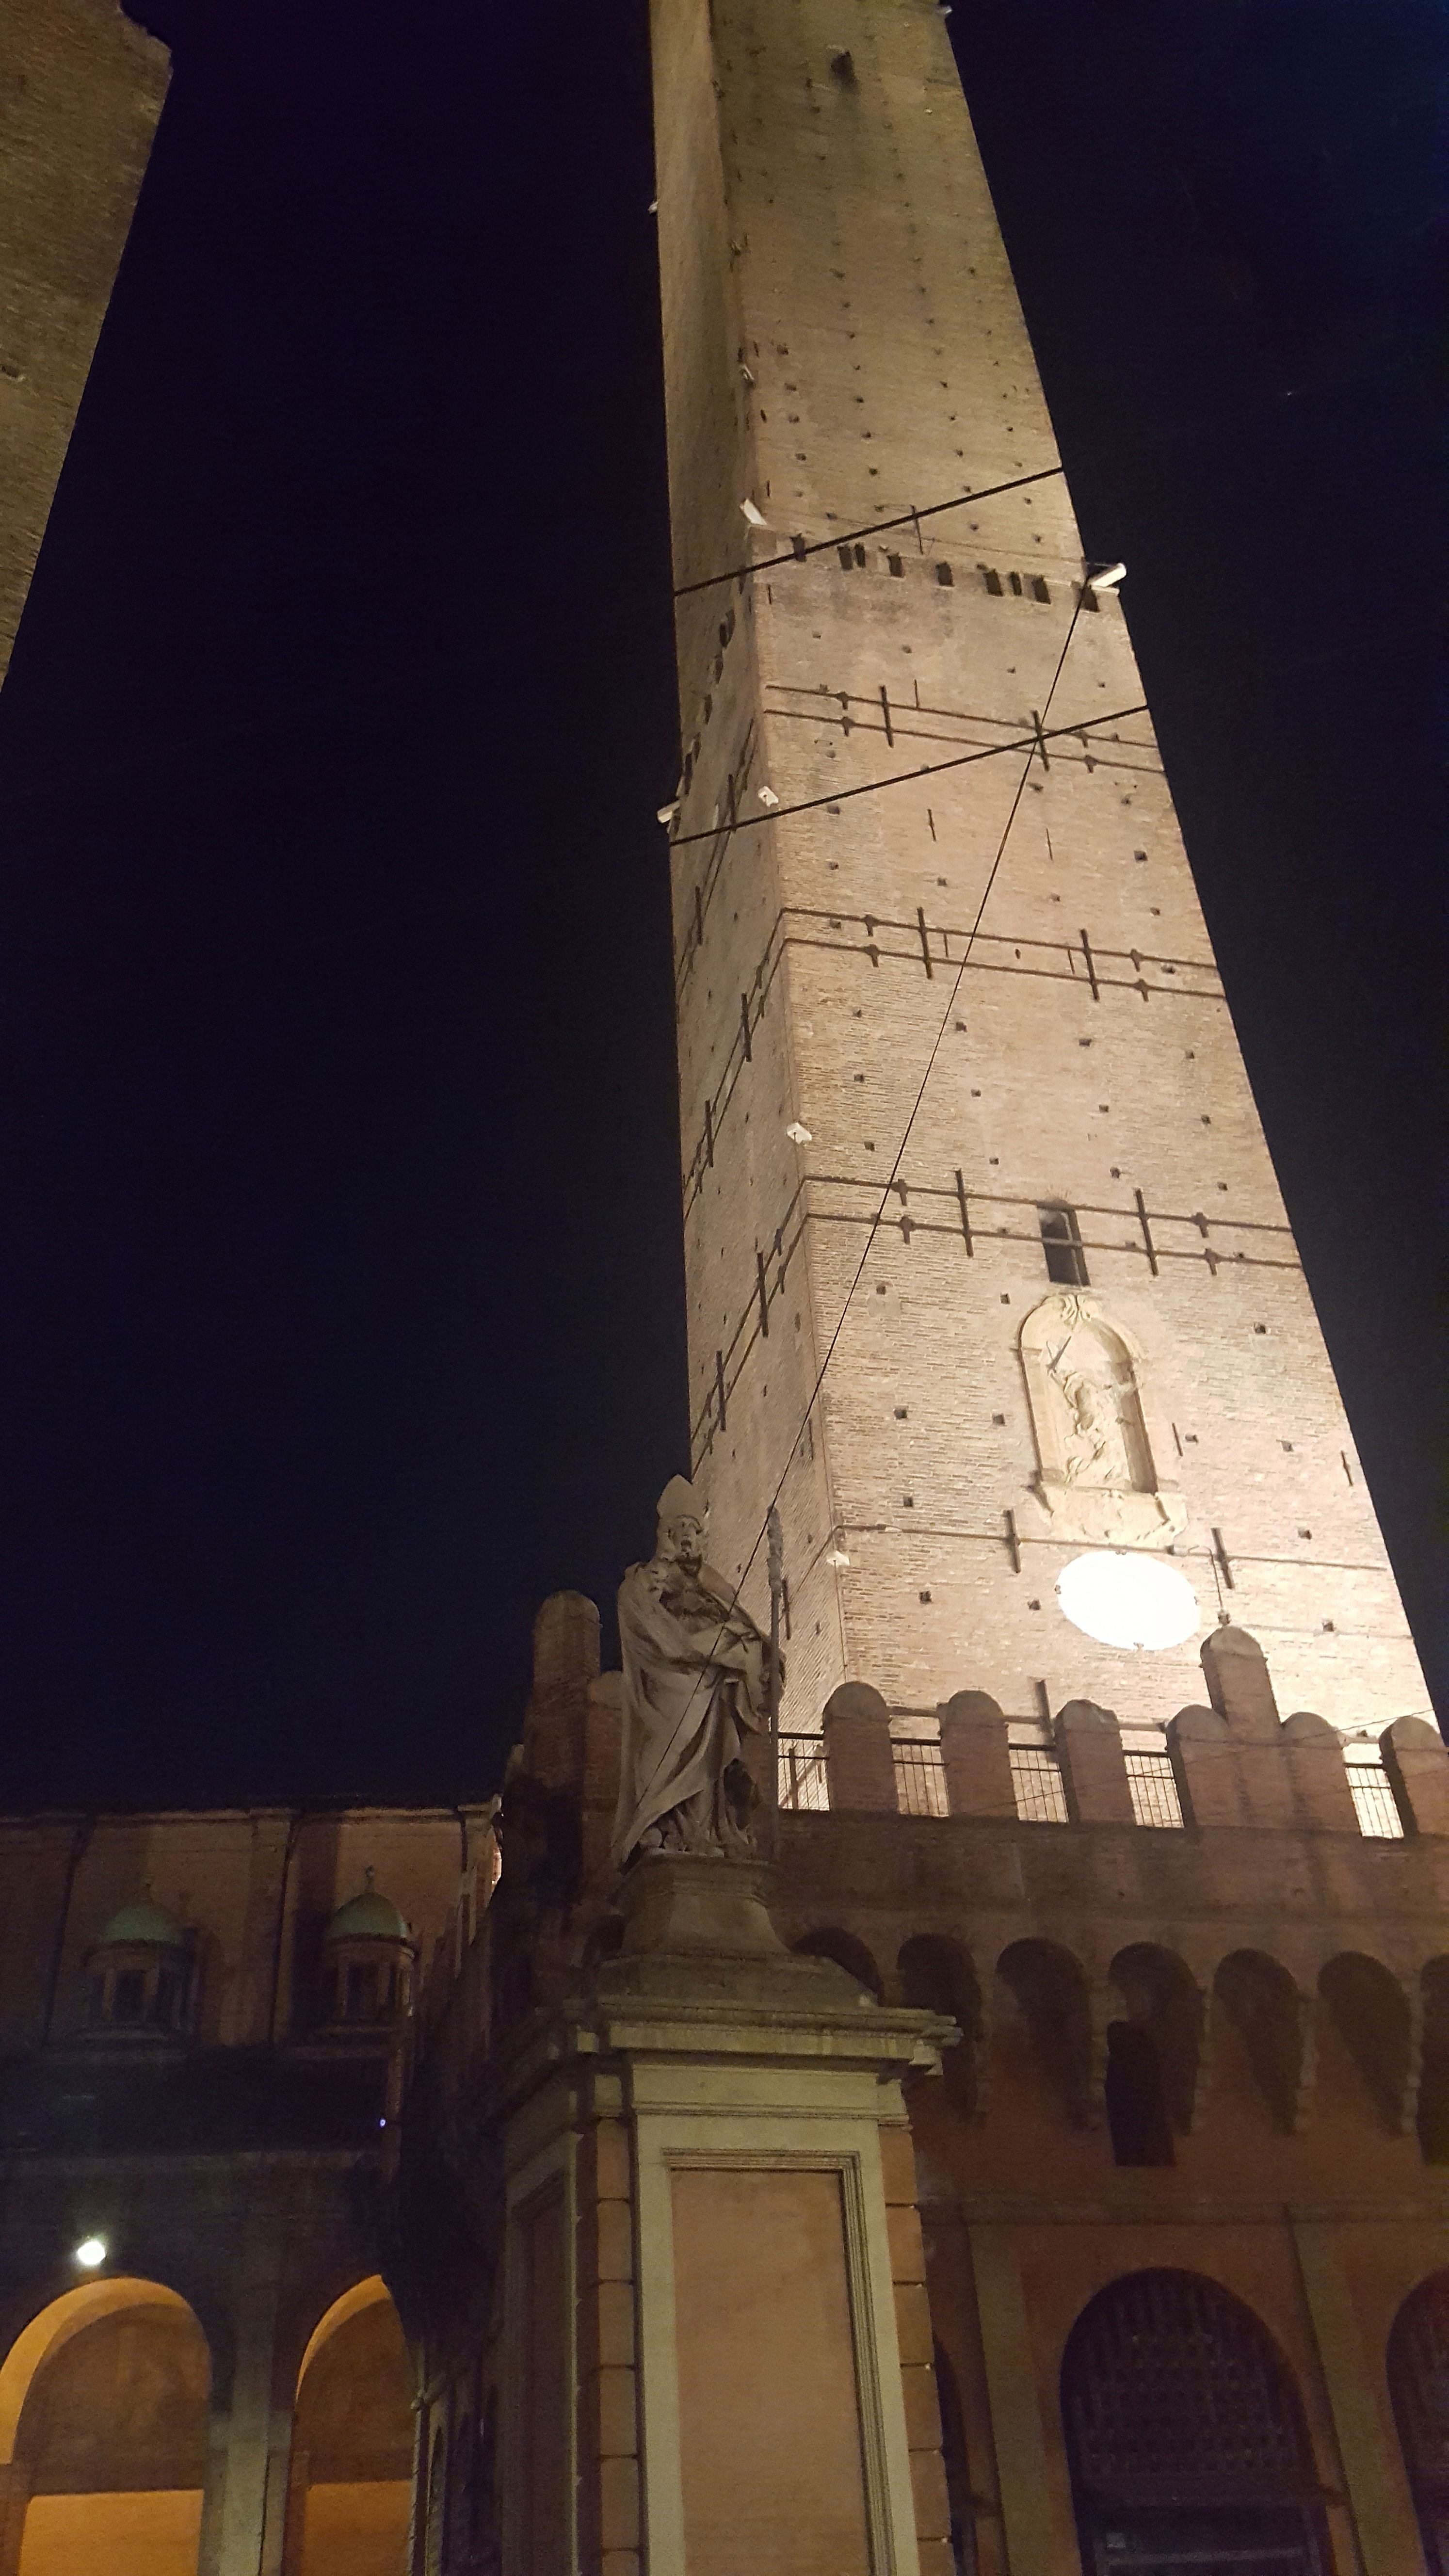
1100	1480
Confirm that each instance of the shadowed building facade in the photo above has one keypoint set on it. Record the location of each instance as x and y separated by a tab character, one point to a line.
1040	2167
201	2371
1145	2270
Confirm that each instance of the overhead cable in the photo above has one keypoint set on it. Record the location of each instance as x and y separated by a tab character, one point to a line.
1030	742
1031	747
799	551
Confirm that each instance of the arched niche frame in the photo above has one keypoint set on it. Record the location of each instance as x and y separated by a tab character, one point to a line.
1102	1479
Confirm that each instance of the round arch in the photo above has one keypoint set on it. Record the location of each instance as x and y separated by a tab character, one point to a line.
830	1941
363	2294
1418	2370
351	2476
104	2398
1185	2434
40	2341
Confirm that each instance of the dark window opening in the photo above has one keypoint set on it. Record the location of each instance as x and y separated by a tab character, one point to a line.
945	576
128	1995
1040	591
992	580
362	1994
1015	580
1136	2112
1061	1238
1434	2081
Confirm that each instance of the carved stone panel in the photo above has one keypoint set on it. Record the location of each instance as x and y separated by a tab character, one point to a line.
1099	1479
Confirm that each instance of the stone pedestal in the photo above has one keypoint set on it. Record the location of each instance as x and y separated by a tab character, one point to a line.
719	2349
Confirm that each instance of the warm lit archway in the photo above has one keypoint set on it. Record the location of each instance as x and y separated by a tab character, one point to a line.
351	2481
103	2406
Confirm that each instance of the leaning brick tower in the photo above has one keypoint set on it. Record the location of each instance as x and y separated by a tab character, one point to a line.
81	89
940	961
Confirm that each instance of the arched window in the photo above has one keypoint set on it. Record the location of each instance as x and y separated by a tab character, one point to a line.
1419	2385
1185	2437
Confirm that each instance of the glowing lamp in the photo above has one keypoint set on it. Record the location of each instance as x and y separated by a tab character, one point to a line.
91	2253
1128	1600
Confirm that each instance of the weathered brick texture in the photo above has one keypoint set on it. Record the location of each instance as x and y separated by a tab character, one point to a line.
844	345
81	88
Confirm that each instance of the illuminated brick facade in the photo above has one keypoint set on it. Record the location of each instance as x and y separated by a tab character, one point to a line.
81	88
844	345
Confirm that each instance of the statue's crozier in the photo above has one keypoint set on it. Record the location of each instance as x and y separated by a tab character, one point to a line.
695	1686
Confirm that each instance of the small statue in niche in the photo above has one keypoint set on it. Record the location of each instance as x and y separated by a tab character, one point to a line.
1096	1450
696	1686
1098	1480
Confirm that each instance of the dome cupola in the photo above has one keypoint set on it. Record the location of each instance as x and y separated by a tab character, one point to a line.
367	1962
139	1974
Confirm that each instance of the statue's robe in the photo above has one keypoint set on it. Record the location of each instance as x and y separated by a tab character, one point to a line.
694	1688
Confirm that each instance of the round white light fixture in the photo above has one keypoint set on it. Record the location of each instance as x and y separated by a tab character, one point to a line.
1124	1600
91	2253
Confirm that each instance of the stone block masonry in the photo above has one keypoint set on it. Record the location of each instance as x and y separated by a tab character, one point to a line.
961	916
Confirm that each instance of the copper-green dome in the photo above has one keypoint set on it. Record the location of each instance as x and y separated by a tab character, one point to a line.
368	1916
142	1921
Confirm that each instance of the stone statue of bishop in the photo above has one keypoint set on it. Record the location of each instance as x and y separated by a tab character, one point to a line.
696	1684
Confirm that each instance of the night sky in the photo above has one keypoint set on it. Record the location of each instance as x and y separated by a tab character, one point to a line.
341	1299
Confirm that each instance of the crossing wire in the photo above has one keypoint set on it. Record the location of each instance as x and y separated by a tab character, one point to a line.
876	1220
1028	742
799	550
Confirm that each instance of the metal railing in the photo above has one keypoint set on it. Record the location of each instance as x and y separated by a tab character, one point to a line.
804	1785
1377	1808
920	1776
1036	1777
1152	1787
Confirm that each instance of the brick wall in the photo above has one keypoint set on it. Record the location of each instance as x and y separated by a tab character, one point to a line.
844	345
81	88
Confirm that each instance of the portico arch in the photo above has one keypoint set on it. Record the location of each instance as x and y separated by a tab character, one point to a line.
350	2484
103	2407
42	2338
